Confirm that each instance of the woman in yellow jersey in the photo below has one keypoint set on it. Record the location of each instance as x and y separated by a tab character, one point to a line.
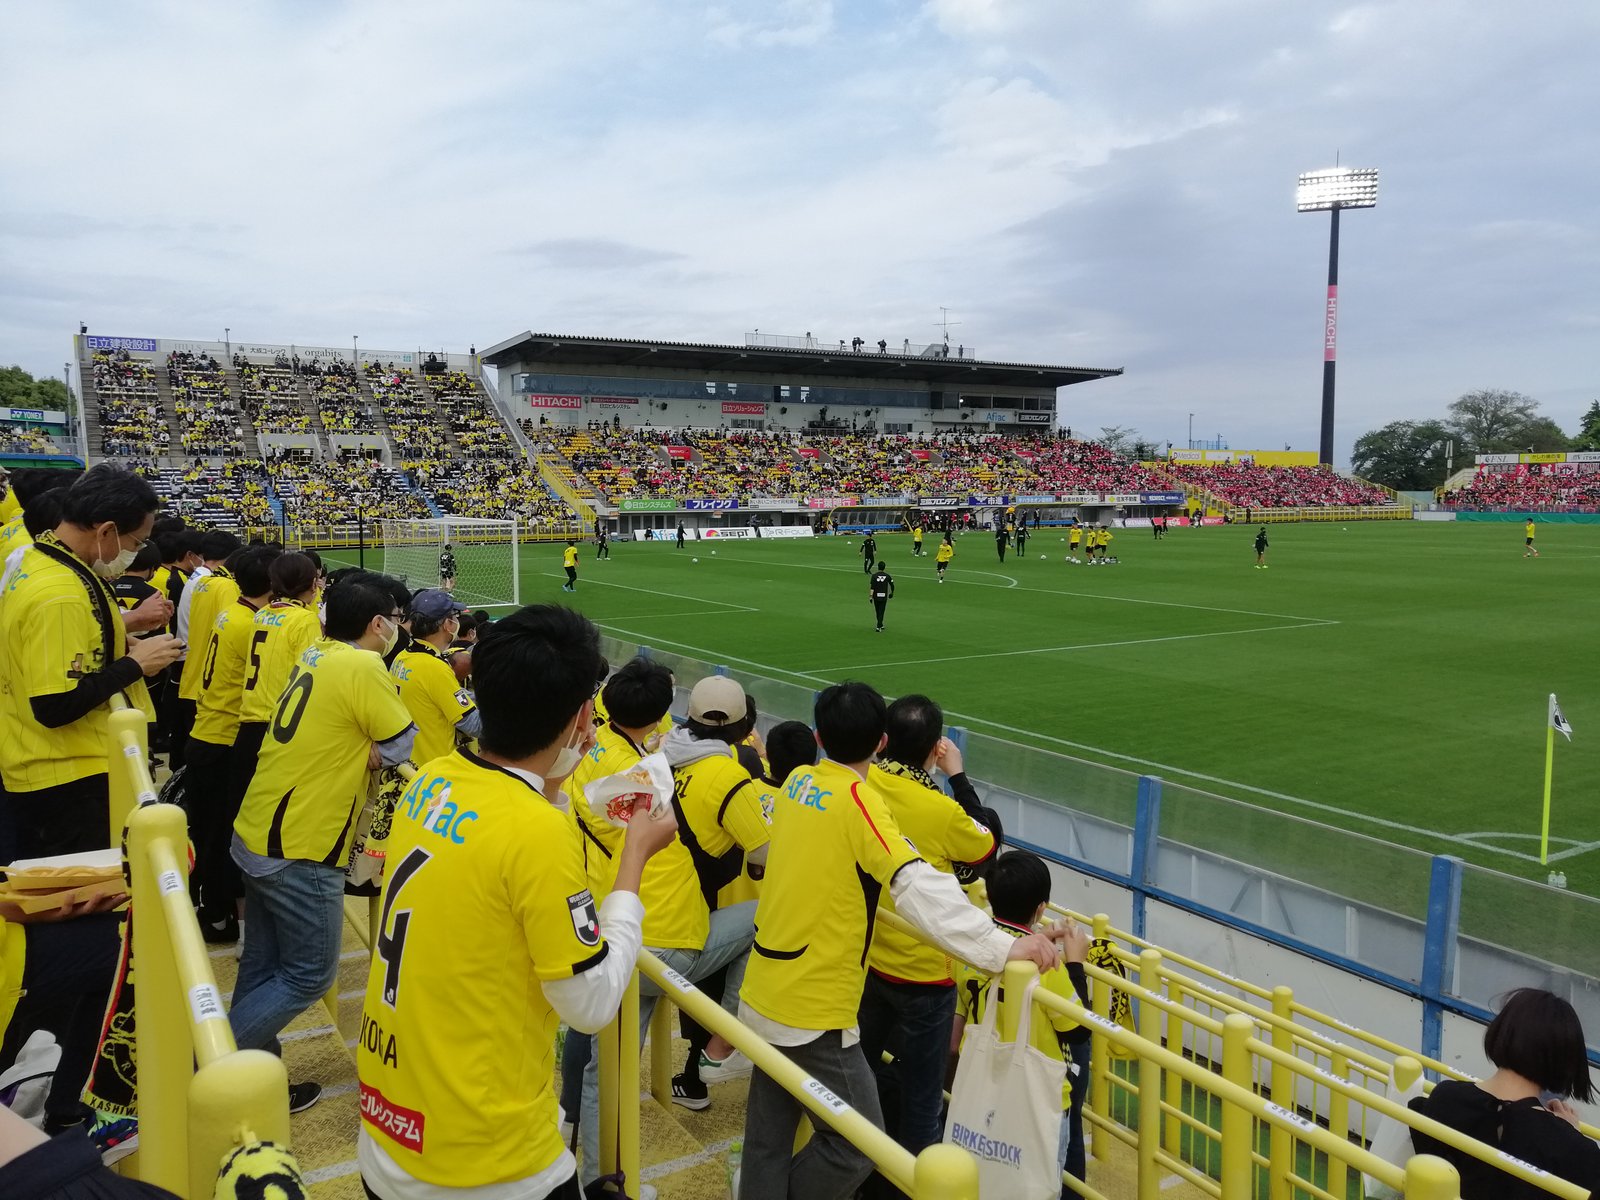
943	555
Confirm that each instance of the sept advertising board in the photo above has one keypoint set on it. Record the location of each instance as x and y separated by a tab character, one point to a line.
718	534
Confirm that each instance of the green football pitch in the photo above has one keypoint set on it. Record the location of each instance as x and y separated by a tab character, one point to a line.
1390	678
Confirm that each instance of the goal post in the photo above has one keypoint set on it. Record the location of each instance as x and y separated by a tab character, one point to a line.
485	552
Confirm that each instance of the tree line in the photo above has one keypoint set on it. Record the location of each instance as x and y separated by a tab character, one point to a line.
1418	455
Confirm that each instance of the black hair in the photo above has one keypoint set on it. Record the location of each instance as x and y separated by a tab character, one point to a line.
316	559
790	744
532	673
217	544
147	559
29	484
1019	882
915	725
292	574
639	694
44	511
167	523
732	733
352	603
109	493
850	719
1538	1035
881	564
177	544
253	570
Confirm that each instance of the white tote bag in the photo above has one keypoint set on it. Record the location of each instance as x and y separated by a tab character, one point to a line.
1005	1109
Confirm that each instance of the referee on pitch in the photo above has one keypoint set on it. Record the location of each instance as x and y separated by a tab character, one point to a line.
881	589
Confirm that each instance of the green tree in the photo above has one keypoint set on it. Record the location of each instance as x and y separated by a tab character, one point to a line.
1406	455
19	389
1589	432
1489	420
1119	439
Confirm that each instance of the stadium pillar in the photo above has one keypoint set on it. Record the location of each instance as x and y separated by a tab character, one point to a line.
1439	948
1330	350
1146	828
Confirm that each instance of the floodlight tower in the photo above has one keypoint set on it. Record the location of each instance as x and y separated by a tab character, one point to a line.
1329	191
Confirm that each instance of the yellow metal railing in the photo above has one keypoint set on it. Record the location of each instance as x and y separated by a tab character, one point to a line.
199	1096
1364	512
940	1172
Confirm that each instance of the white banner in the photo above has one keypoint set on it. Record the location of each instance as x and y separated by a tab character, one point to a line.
774	505
1584	456
48	416
662	535
789	531
1497	458
1122	498
719	534
1079	498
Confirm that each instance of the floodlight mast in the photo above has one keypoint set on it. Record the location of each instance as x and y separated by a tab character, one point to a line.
1330	191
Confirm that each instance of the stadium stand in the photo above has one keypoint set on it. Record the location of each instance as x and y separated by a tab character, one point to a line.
208	415
18	439
413	430
1525	492
336	393
1245	485
342	491
127	406
230	495
271	396
465	412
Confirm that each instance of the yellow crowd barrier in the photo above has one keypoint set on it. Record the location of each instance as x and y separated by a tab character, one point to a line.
940	1172
199	1096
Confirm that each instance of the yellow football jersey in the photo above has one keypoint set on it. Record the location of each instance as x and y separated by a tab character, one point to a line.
433	696
484	899
283	631
945	552
719	813
212	593
222	674
10	506
834	849
675	912
943	834
569	557
12	535
50	637
311	778
972	996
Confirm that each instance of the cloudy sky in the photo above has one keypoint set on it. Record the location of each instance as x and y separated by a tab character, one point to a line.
1100	184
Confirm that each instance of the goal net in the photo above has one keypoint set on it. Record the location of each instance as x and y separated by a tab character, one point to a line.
483	552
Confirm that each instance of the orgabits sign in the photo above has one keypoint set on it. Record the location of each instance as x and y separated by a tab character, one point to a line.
540	400
741	408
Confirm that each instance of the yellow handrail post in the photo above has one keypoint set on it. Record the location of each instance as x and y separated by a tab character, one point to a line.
1100	1053
126	733
1172	1085
945	1173
1013	987
166	1056
1238	1127
1431	1178
1149	1185
1281	1142
661	1052
606	1048
1405	1071
1338	1123
245	1092
628	1087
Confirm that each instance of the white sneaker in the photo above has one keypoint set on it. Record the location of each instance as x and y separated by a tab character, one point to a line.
720	1070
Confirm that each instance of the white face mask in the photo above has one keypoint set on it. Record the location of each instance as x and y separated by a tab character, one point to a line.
115	567
391	637
567	761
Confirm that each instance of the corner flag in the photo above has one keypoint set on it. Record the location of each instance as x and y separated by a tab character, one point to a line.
1557	721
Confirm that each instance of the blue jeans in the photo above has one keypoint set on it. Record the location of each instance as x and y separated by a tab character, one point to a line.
294	922
912	1021
727	945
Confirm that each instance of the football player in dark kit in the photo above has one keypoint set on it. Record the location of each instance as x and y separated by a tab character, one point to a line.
1261	548
1022	539
1002	538
869	552
881	588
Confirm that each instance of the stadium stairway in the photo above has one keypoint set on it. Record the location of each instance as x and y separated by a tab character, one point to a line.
683	1154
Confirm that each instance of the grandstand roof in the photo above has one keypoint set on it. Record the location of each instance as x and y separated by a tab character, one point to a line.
698	356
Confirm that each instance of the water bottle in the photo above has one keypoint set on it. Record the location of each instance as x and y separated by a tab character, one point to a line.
735	1161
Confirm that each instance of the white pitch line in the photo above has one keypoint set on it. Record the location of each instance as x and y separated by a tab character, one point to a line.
1242	612
652	591
1013	583
1167	768
1178	637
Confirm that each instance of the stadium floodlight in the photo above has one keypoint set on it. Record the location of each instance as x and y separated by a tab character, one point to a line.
1329	191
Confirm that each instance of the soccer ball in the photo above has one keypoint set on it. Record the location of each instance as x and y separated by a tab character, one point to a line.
694	560
1041	558
713	552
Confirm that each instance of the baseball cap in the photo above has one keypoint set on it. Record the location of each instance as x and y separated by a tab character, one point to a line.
716	700
435	604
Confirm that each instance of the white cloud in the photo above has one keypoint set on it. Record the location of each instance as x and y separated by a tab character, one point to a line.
779	23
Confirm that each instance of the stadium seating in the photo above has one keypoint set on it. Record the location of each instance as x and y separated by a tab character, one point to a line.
337	396
496	488
208	415
342	491
271	397
16	439
413	432
1245	485
128	406
466	413
1510	490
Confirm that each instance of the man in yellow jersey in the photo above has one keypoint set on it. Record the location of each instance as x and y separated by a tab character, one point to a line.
490	936
569	560
26	486
1529	550
1019	888
909	999
208	590
721	821
1105	545
339	717
438	704
209	777
1074	537
835	848
916	537
943	555
64	652
282	631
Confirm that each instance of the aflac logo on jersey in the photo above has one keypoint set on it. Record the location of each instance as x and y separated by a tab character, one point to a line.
801	790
